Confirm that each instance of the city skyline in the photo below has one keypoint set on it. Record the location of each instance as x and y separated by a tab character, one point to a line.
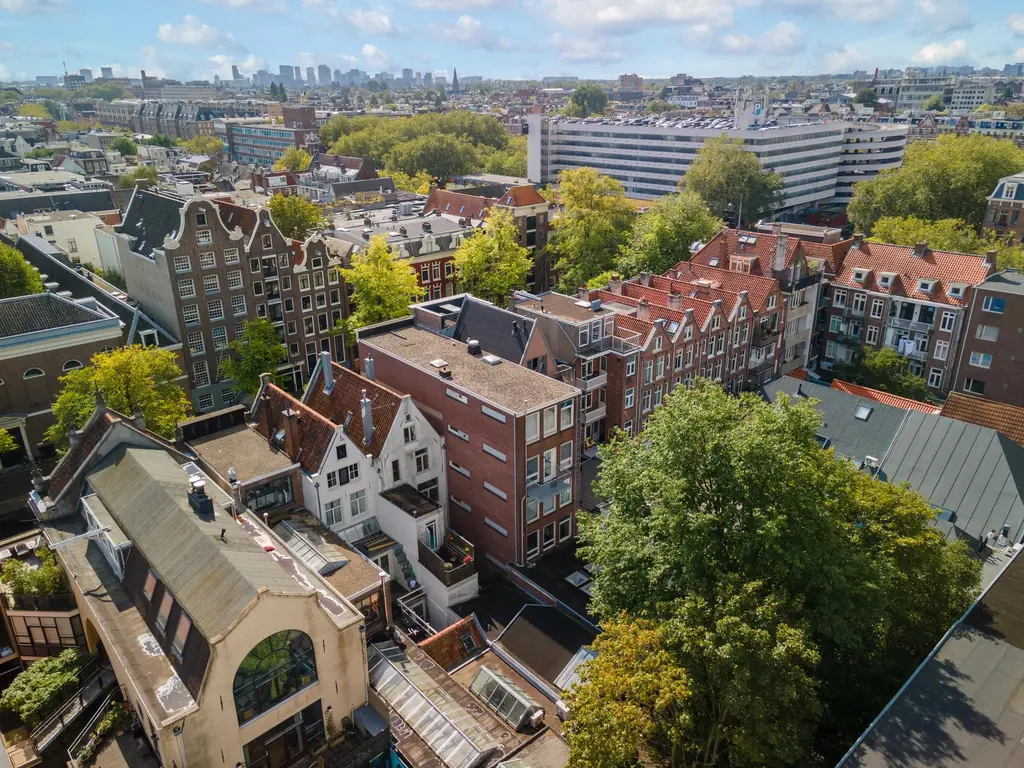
199	39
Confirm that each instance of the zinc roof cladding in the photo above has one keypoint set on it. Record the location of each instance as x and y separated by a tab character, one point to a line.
447	647
883	397
727	243
1006	281
942	267
512	387
499	331
758	288
315	431
456	204
1017	179
150	218
1004	418
21	315
545	639
212	578
346	397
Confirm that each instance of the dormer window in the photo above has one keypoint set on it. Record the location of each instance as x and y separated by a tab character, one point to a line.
885	281
1010	190
925	286
956	291
860	275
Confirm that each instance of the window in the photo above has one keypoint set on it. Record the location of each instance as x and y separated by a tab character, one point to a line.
658	389
204	237
885	280
201	219
549	464
533	543
584	335
187	288
532	510
182	264
496	491
409	433
565	528
838	298
289	305
234	280
993	304
565	417
332	479
190	314
565	497
276	668
220	338
449	269
935	377
492	451
565	455
208	260
646	401
237	305
164	611
332	513
630	366
549	535
425	273
257	288
254	266
658	342
357	503
496	415
872	334
627	427
303	282
181	634
981	360
195	343
550	420
925	286
211	284
948	321
458	433
987	333
268	242
230	255
660	368
532	469
149	585
215	309
876	308
307	303
771	301
629	397
201	373
648	371
941	350
974	386
456	395
71	365
422	460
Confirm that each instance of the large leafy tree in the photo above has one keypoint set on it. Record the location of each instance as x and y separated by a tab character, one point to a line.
949	178
661	237
42	686
728	178
594	223
792	593
587	100
882	369
383	286
296	216
124	145
34	110
948	235
129	378
145	172
204	145
17	276
293	159
259	350
437	154
491	262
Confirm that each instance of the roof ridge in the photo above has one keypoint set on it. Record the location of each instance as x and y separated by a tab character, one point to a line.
299	405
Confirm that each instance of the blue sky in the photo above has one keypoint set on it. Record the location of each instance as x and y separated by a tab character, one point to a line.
497	38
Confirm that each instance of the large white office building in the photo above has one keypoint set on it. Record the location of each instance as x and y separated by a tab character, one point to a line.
819	162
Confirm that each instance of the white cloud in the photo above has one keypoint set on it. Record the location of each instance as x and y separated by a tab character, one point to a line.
470	33
937	53
268	6
1017	24
152	61
221	65
846	59
193	32
856	11
452	5
375	57
582	49
620	15
32	6
6	45
370	21
940	16
783	39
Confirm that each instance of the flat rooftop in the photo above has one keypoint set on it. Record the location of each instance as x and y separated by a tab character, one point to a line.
514	388
243	449
352	230
565	307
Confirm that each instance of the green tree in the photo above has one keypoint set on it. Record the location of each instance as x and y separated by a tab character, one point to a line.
383	286
418	182
729	178
7	442
934	104
39	153
437	154
882	369
661	237
867	97
160	140
282	94
258	350
950	178
36	691
143	172
588	100
204	145
293	159
124	145
510	161
296	216
17	276
594	224
46	578
129	378
793	592
659	105
273	90
1007	93
34	110
490	263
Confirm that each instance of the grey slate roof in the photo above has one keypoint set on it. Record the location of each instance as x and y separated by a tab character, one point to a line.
87	200
149	219
1017	179
545	639
41	312
214	579
499	331
1007	281
346	188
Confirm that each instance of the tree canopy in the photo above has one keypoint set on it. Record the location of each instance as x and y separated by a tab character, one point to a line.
762	597
17	276
867	97
587	100
490	263
129	378
948	235
145	172
124	145
383	286
35	692
160	140
729	178
934	103
296	216
594	224
204	145
34	110
257	351
510	161
437	154
661	237
293	159
950	178
882	369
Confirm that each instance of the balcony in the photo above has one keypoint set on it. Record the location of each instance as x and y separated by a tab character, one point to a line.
908	325
806	282
609	344
595	414
765	338
55	603
800	310
792	339
270	268
453	560
853	312
758	364
596	381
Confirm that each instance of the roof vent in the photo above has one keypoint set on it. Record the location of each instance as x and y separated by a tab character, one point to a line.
491	359
201	503
426	226
445	373
473	347
438	363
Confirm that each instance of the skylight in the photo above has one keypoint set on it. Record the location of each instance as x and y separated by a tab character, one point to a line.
863	411
508	701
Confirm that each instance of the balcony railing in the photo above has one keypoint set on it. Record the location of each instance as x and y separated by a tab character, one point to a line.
853	312
908	325
594	382
594	414
766	338
453	561
41	602
800	310
609	343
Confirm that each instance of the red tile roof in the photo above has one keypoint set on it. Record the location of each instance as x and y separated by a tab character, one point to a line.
315	431
942	267
447	648
758	288
727	243
831	253
1003	418
521	195
74	459
456	204
883	397
344	399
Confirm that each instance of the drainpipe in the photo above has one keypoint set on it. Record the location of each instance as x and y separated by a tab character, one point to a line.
181	749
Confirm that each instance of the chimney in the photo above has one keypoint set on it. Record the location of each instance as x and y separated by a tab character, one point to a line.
675	301
138	419
858	239
990	258
74	437
291	432
921	249
777	228
101	404
615	285
328	371
643	311
583	293
367	408
645	279
368	368
264	380
780	253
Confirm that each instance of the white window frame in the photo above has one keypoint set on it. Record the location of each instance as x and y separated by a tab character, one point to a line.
550	420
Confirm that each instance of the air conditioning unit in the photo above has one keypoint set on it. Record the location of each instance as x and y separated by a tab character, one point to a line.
871	461
537	719
562	709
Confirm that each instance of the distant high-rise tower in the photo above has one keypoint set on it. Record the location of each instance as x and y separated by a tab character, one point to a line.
285	72
106	71
310	76
235	75
428	79
337	76
455	81
87	74
324	74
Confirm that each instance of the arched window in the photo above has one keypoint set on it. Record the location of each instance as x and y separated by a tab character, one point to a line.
276	668
34	373
70	365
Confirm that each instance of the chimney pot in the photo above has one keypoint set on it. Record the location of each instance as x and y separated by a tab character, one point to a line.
920	249
615	285
583	293
139	419
858	239
645	279
368	371
990	257
367	412
643	311
328	371
781	244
